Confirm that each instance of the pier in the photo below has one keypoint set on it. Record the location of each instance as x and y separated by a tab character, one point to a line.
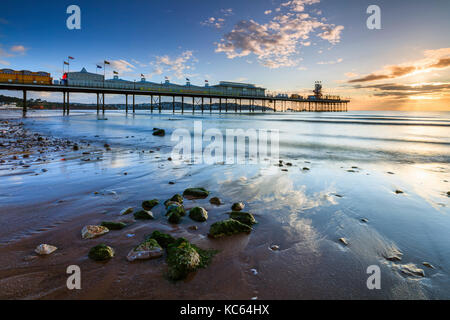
204	100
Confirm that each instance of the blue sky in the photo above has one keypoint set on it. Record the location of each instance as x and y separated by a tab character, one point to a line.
285	50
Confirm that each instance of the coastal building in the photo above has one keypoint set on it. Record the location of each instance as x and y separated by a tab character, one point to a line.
84	78
240	89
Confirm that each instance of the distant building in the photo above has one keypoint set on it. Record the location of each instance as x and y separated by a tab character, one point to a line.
241	89
82	78
87	79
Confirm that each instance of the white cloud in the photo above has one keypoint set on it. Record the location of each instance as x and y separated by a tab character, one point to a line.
122	66
12	52
213	22
176	66
277	42
331	62
268	12
350	74
18	49
332	33
227	12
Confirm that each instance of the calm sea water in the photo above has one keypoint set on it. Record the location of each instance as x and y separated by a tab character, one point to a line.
356	162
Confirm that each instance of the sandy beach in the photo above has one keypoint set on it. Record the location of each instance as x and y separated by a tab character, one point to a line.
343	181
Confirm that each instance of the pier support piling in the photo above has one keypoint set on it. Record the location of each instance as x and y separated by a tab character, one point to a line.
68	103
103	103
64	103
98	103
24	107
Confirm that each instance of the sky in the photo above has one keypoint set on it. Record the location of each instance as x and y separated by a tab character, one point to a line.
282	45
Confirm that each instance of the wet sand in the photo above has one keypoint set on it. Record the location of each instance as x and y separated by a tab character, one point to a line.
304	212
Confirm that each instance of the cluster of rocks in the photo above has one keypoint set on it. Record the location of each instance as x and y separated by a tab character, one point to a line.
182	257
19	146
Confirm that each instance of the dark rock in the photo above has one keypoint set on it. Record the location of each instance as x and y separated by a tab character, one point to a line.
243	217
228	227
412	270
199	193
175	213
398	191
162	239
101	252
149	249
113	225
184	257
149	204
159	132
178	198
216	201
238	206
144	215
198	214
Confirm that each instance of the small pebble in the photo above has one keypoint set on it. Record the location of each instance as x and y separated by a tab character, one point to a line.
274	247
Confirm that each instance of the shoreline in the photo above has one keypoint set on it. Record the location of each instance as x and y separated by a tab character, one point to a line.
301	217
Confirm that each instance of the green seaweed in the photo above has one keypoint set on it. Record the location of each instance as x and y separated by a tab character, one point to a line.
243	217
196	192
143	214
228	227
101	252
176	198
111	225
149	204
163	239
184	257
198	214
148	244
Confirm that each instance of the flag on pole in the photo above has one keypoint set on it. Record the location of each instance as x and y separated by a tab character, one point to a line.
206	80
115	72
99	67
106	62
166	77
66	63
187	79
72	58
142	75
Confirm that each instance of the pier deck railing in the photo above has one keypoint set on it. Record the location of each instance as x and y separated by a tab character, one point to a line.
276	103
